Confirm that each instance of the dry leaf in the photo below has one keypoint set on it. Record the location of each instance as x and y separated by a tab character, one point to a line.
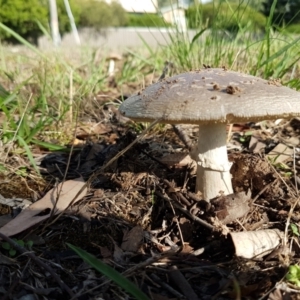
280	154
41	210
186	248
100	128
105	252
77	142
255	244
5	219
90	128
178	159
133	239
276	295
231	207
282	292
256	144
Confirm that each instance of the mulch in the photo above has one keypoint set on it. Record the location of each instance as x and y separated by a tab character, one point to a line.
142	217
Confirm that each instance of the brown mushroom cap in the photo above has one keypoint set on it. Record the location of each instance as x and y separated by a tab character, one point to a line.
212	96
114	56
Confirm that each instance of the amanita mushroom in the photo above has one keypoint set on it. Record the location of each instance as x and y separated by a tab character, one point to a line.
112	58
212	98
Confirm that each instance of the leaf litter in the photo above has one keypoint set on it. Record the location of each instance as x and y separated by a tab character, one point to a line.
141	216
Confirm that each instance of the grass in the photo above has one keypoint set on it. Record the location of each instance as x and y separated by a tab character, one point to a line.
265	54
110	273
43	95
40	92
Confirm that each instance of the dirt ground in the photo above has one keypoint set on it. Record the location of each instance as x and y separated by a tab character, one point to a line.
140	215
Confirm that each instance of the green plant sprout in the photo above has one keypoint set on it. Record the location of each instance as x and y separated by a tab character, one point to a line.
11	250
246	137
293	275
294	229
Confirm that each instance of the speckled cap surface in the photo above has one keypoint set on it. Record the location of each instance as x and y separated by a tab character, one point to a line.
212	96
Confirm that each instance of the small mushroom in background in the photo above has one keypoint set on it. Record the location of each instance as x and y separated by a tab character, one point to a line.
112	58
193	99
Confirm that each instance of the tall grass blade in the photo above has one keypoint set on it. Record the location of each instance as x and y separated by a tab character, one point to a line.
268	33
146	44
49	146
281	51
43	29
22	40
28	152
3	93
109	272
195	38
7	100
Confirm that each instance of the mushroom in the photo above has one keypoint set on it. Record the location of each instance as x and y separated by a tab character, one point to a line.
112	58
212	98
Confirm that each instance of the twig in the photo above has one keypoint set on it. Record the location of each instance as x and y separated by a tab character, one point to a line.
288	220
122	152
179	194
13	286
229	133
71	102
58	192
17	129
182	283
149	262
183	136
177	223
295	172
168	65
194	218
183	199
40	263
194	197
157	160
264	189
156	279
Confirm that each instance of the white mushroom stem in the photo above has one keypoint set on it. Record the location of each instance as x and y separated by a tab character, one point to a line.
111	67
213	176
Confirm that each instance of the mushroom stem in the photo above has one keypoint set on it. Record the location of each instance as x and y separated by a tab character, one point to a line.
111	67
213	176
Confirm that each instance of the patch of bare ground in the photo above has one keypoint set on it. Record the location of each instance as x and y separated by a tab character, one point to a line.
142	217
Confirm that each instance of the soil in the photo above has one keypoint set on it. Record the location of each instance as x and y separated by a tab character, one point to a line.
142	217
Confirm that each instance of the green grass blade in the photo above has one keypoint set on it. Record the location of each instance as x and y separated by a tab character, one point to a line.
3	92
112	274
28	152
31	131
22	40
196	37
279	52
149	48
43	29
49	146
268	29
5	101
11	97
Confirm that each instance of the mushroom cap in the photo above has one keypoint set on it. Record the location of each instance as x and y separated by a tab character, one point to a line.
212	95
114	56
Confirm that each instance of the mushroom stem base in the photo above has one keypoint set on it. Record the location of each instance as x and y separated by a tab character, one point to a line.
213	170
